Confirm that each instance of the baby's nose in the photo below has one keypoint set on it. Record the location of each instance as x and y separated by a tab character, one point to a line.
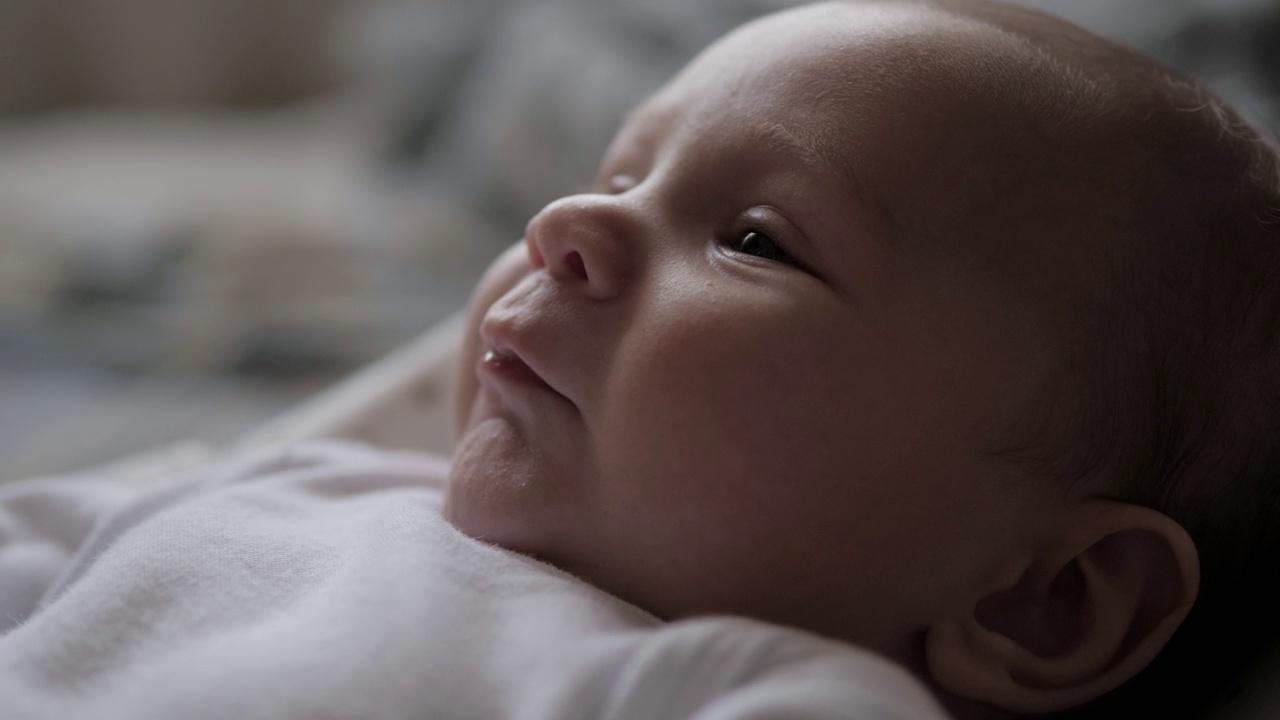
583	240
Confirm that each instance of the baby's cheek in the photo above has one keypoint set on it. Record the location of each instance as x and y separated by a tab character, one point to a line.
715	404
502	275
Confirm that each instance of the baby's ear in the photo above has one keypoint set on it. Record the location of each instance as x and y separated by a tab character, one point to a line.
1091	608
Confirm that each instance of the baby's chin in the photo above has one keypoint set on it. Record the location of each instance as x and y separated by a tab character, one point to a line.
496	491
479	479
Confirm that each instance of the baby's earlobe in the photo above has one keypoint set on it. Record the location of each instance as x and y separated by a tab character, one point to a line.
1089	612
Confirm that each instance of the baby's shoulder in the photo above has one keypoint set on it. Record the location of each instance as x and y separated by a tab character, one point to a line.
752	669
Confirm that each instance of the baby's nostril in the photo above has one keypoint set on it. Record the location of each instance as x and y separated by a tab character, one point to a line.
574	261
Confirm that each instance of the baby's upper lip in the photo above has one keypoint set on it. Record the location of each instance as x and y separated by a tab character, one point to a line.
499	337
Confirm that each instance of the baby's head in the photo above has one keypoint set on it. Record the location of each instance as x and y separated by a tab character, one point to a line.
941	328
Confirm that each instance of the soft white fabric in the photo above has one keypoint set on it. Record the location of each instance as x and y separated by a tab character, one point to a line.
322	582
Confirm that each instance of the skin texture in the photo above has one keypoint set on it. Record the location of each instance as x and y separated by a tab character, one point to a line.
809	437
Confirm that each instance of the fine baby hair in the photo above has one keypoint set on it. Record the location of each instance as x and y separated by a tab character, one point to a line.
1179	371
1177	367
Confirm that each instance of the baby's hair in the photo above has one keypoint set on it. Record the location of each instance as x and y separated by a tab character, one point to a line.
1174	397
1178	369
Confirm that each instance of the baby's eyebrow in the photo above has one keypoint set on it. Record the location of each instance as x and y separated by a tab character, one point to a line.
784	138
820	153
648	119
817	152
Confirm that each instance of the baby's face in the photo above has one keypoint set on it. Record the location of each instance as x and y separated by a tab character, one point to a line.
762	367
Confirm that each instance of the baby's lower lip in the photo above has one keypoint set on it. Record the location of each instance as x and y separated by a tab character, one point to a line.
511	367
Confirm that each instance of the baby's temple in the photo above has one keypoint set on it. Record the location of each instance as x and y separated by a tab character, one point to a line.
887	359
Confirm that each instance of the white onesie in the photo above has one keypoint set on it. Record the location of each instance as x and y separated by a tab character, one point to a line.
322	582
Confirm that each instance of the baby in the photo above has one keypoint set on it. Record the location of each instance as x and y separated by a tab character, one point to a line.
943	330
934	327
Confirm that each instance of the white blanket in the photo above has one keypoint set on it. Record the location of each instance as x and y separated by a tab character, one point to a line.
322	582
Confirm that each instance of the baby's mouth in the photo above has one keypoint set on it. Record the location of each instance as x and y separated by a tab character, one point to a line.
509	365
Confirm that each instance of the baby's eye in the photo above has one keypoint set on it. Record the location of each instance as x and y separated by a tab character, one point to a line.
611	185
754	242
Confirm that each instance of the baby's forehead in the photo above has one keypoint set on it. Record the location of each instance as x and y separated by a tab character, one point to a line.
844	73
916	99
957	128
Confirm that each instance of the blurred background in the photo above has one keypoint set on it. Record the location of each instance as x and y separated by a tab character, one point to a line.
210	209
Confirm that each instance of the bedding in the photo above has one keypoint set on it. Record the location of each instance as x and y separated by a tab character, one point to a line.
321	581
